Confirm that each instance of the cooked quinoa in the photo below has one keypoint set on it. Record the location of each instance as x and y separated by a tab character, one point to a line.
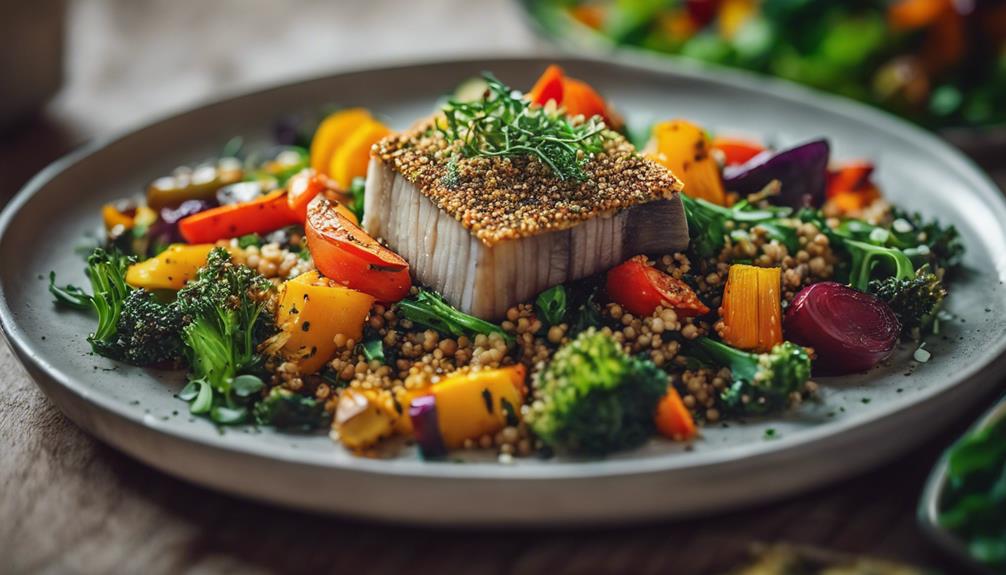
417	357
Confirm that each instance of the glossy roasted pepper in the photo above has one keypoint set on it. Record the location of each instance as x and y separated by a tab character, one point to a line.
187	183
170	269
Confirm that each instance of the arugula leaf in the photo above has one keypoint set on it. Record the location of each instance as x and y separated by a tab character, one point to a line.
551	304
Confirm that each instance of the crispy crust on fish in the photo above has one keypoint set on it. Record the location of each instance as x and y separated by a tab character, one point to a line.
503	198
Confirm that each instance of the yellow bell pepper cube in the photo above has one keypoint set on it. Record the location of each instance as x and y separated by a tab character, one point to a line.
476	403
170	269
684	148
312	312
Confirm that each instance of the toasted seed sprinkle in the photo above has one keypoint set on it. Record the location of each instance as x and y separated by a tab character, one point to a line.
501	198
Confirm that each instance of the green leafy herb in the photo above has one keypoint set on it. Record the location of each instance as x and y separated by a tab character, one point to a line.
373	349
503	123
107	271
551	304
286	410
249	240
429	309
69	295
357	191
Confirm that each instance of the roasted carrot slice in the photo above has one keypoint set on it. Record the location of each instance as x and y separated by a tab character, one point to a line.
673	419
752	308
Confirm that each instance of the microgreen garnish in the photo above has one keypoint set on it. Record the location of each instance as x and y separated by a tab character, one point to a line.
504	123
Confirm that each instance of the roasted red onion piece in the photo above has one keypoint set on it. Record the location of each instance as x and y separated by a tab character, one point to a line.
802	172
426	426
849	330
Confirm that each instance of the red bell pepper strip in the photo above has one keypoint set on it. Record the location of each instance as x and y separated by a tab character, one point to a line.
261	215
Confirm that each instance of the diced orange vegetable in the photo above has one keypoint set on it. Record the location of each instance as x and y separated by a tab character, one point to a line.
733	15
850	189
350	160
580	99
312	313
549	87
752	309
590	15
477	403
114	215
913	14
737	151
170	269
575	96
640	288
852	202
362	418
261	215
332	133
673	419
677	24
684	148
848	177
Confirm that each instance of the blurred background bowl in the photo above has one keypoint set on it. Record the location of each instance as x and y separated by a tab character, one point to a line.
938	63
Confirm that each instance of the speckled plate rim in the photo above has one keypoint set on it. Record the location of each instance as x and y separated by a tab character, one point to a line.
858	426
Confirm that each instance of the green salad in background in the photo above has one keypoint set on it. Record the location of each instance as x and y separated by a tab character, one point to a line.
974	500
940	63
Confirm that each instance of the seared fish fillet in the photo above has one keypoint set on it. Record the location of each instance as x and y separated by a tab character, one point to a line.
488	233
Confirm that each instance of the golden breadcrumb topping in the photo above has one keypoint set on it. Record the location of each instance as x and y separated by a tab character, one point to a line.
501	198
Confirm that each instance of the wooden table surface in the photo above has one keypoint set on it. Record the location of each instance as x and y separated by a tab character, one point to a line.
69	504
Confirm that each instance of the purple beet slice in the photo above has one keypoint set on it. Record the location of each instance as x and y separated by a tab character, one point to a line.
849	330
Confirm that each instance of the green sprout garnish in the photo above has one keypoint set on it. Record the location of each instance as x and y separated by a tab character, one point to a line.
503	123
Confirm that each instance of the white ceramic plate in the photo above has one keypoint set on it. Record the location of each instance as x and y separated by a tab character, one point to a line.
862	420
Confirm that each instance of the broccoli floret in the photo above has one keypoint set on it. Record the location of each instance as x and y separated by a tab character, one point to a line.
945	247
762	382
709	224
107	272
915	301
106	269
286	410
149	330
222	308
597	399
